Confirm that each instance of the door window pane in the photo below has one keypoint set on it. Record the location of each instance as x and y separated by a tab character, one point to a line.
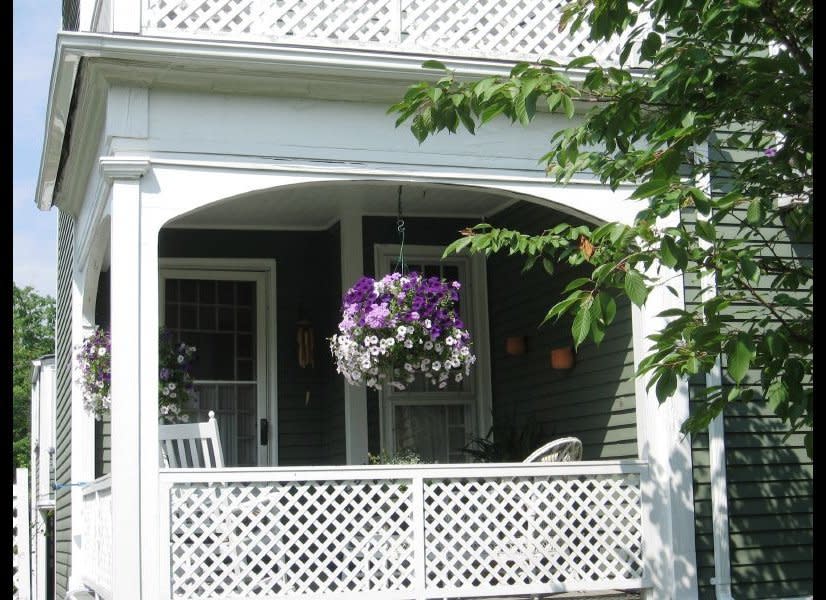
218	318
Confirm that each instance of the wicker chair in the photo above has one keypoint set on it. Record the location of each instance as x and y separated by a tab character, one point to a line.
565	449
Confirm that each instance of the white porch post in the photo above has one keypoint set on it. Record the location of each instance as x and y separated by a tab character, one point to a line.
669	549
355	398
126	16
129	468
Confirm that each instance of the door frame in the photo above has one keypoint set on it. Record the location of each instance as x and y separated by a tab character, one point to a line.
478	301
262	271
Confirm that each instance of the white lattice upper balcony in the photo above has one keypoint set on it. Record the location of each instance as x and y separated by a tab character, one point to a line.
485	29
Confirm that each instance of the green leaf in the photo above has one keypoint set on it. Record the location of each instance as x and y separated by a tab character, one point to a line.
576	283
635	287
755	213
560	307
706	231
434	64
650	45
651	188
749	269
667	385
582	325
609	307
668	251
490	112
740	353
457	246
580	61
567	106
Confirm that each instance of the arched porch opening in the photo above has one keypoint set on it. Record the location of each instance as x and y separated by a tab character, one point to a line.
320	237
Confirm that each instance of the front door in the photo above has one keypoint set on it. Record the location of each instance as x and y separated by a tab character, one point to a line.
223	314
435	423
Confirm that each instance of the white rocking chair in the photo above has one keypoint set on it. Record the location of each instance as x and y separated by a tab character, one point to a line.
198	445
188	445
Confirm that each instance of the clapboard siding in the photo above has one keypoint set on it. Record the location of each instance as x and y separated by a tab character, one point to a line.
770	481
594	401
63	403
306	263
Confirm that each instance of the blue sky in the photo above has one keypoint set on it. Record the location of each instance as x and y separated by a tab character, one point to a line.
36	23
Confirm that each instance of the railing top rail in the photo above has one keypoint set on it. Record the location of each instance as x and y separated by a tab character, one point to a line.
101	483
427	471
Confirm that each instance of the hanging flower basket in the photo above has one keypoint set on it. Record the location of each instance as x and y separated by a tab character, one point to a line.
175	388
400	326
94	358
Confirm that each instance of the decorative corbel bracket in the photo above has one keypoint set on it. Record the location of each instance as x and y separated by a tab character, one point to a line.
117	167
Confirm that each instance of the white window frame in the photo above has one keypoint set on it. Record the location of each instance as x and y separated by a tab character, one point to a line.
475	298
261	271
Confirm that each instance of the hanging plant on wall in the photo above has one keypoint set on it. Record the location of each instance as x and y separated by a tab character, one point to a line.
95	373
399	326
175	387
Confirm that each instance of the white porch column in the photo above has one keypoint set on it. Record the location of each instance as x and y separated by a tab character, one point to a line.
126	16
131	477
669	549
355	398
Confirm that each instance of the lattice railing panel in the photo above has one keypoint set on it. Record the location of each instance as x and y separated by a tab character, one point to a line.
96	518
307	538
402	532
365	21
506	29
529	531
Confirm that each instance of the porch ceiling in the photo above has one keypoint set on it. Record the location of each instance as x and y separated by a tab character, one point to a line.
319	206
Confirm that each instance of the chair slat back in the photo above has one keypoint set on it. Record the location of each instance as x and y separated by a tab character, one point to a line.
191	445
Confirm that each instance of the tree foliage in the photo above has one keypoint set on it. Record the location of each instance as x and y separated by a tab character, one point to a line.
33	336
713	125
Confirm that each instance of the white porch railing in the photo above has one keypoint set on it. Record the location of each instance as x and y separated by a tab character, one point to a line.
21	536
414	531
96	541
492	29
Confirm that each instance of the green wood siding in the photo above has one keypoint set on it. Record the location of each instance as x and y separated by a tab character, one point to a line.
306	264
595	400
770	481
63	402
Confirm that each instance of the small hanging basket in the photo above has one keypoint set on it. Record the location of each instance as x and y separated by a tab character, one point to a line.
400	326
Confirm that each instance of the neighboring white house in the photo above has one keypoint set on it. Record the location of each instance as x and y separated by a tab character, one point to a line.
41	462
226	168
